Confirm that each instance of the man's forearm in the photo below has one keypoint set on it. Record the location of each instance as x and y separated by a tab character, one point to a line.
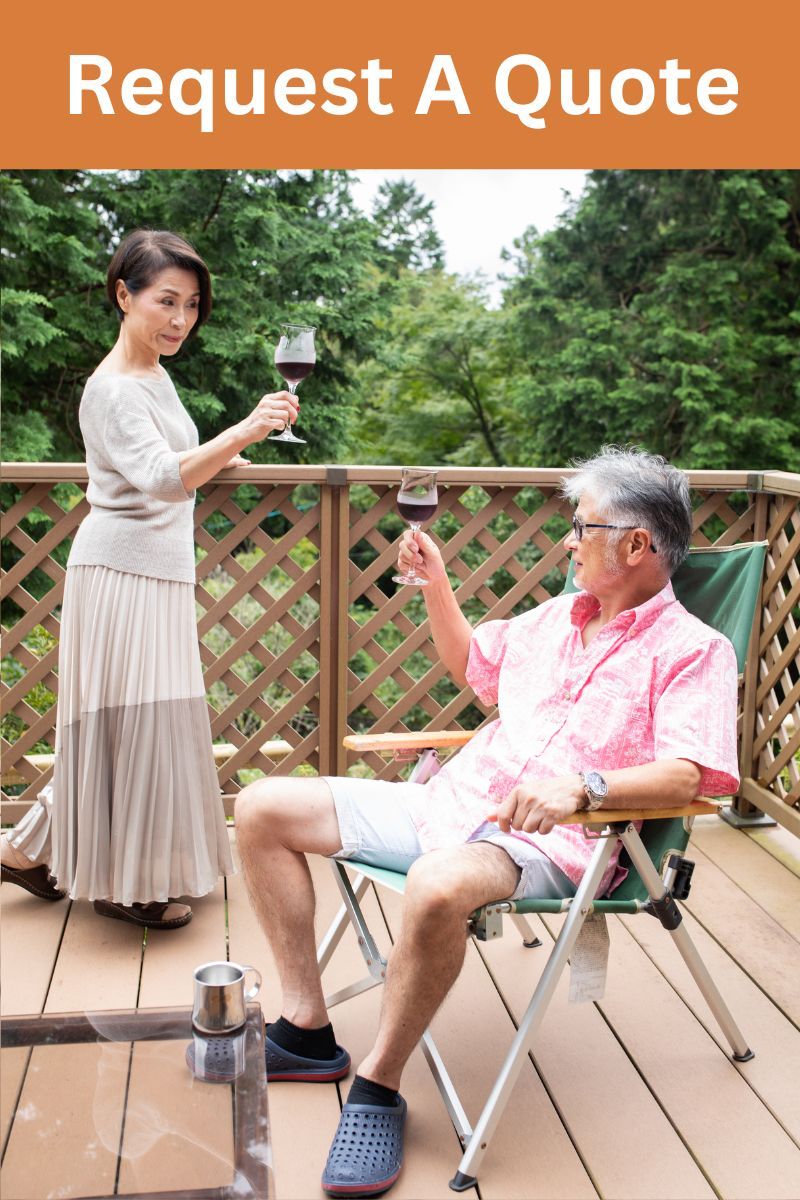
664	784
451	630
541	804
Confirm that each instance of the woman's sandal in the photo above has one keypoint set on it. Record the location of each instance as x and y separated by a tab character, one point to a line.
37	880
146	916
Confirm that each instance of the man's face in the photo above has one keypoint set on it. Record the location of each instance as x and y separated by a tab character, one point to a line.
598	560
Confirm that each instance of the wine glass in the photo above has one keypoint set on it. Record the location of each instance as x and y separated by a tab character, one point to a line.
295	356
417	499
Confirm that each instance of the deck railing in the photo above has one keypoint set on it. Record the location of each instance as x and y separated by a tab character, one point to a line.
304	638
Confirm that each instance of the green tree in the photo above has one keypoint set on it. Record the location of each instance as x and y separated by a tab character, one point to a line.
405	233
664	310
436	389
52	281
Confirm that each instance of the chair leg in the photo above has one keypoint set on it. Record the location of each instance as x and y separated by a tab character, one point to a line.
523	926
376	963
501	1092
672	919
339	924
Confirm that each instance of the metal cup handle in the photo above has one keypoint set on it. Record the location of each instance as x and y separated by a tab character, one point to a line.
252	992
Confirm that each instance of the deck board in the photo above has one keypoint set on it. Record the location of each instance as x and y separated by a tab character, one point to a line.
759	875
581	1059
773	1073
633	1098
32	932
761	946
696	1082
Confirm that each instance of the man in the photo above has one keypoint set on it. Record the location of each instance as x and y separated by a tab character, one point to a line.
614	696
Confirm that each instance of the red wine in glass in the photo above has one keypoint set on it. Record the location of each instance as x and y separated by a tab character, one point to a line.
294	372
416	512
295	358
417	499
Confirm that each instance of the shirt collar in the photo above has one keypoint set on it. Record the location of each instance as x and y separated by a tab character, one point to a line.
585	606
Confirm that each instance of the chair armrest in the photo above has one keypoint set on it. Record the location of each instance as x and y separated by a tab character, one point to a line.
385	743
608	816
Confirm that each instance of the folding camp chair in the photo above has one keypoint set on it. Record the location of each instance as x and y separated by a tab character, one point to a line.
721	585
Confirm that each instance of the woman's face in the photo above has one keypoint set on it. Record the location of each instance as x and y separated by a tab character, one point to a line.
160	317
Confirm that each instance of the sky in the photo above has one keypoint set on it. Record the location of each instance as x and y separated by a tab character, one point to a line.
478	213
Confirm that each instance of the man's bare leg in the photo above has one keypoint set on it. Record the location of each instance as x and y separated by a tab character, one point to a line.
277	823
444	888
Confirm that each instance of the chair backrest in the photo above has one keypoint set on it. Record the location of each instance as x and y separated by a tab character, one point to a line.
721	585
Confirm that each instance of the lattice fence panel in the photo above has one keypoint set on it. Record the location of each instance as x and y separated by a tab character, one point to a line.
37	530
258	621
776	749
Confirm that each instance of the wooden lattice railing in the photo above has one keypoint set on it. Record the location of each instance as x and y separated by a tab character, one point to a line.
304	637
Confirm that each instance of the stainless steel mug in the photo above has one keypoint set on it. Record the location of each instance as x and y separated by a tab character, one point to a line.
220	998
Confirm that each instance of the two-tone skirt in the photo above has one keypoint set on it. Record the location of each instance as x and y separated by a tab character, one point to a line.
133	813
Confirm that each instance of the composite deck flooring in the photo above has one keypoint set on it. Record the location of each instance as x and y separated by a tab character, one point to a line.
633	1096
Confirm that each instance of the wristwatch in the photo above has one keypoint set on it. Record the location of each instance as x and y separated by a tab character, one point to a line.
596	789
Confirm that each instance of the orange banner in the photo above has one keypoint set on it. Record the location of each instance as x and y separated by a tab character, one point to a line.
691	83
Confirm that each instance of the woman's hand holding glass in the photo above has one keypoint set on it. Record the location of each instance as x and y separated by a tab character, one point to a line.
273	411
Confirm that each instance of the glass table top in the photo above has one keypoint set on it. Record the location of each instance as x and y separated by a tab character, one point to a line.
104	1104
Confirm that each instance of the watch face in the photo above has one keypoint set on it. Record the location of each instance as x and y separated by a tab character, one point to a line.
596	783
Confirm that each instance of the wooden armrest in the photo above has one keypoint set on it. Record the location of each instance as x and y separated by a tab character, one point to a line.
385	743
605	816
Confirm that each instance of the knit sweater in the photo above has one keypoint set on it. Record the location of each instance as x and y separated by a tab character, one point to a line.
141	518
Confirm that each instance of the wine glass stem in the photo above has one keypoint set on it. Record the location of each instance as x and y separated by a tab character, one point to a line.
415	528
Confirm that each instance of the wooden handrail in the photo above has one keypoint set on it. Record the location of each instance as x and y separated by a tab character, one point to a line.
224	751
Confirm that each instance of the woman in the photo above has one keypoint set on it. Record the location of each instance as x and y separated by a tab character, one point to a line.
133	816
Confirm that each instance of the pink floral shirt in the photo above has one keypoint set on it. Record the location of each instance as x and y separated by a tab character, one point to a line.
654	683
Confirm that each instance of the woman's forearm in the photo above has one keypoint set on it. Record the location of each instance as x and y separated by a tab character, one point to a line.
202	463
451	630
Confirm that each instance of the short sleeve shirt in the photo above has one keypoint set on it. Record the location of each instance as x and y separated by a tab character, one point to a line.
654	683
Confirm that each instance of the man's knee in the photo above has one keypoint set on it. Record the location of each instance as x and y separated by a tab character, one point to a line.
438	883
258	809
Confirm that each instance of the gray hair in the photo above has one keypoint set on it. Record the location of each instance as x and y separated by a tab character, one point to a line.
632	487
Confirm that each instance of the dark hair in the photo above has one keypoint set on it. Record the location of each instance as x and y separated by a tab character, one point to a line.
143	254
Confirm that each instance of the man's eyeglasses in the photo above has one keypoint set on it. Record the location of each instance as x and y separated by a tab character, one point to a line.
578	528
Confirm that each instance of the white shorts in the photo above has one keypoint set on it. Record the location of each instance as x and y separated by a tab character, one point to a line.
376	828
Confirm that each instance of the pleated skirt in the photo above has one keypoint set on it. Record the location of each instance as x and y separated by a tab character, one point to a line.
133	813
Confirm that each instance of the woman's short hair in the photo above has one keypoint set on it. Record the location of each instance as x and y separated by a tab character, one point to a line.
631	487
143	254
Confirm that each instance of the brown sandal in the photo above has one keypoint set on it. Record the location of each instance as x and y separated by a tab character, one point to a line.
37	880
146	916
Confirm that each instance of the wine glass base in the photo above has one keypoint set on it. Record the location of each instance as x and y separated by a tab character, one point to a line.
285	436
411	580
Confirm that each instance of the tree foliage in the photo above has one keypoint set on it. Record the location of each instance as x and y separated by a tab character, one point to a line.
405	232
435	389
663	310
